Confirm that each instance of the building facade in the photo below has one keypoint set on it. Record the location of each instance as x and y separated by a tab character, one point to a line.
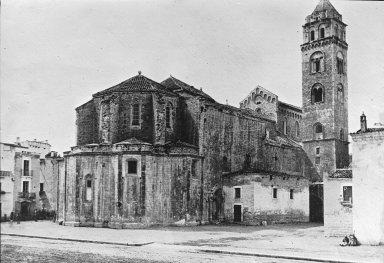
25	183
338	203
368	182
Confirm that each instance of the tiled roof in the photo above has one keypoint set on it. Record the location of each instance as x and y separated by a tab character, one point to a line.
369	130
293	107
342	173
261	172
174	84
138	83
324	5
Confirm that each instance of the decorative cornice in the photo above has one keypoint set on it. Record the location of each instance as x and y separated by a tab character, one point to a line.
324	42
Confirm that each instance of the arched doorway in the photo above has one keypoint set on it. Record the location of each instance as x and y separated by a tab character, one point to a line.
217	203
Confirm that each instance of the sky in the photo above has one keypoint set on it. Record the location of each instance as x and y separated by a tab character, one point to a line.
56	54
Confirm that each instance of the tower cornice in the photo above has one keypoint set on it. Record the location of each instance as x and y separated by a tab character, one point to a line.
323	42
324	20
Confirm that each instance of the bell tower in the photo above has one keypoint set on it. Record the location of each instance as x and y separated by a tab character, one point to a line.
325	89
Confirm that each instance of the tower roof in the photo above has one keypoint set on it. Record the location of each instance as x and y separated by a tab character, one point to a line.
324	5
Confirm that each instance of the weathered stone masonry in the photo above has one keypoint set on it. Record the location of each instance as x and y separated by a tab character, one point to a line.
182	144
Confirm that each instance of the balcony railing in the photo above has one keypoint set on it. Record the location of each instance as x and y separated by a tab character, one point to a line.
5	173
26	195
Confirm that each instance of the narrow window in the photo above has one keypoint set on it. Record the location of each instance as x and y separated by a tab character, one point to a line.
312	35
285	127
41	187
237	192
318	130
290	193
347	194
342	134
322	32
317	150
168	115
297	126
225	164
26	168
88	192
247	161
274	193
194	168
340	63
132	167
135	114
336	31
317	160
340	93
25	187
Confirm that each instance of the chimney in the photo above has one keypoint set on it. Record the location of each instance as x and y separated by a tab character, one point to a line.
17	140
363	123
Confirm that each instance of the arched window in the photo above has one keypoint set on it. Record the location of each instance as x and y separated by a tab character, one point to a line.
297	127
168	117
317	62
336	31
322	31
340	63
317	93
342	135
285	126
312	35
318	130
132	167
135	114
340	93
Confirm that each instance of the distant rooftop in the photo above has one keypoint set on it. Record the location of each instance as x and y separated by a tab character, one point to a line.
342	173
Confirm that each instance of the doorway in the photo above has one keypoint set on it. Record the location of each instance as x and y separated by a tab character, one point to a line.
24	211
316	206
237	213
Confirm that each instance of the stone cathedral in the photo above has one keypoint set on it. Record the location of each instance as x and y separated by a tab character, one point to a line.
166	152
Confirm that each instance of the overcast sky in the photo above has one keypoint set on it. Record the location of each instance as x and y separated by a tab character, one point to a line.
56	54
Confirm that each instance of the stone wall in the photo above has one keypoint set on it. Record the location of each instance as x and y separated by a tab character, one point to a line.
109	119
86	122
165	189
50	167
337	215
